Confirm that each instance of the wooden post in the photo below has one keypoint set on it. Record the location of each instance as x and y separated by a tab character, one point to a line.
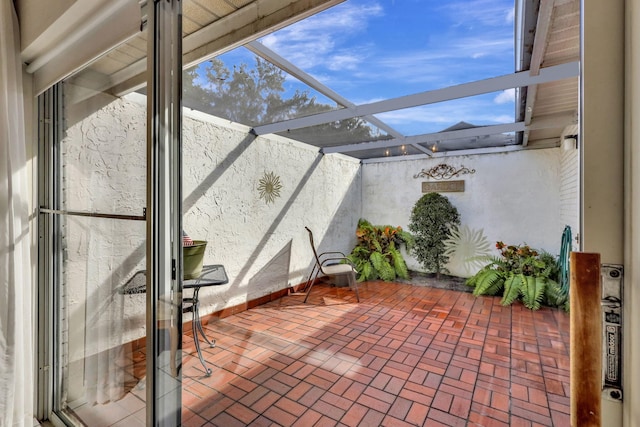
586	340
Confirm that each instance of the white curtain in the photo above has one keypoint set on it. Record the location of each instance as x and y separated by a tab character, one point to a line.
105	355
16	347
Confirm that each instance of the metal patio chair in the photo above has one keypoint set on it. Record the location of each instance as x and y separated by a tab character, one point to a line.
330	263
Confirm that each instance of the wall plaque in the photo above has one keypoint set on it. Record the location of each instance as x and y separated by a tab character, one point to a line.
443	187
443	171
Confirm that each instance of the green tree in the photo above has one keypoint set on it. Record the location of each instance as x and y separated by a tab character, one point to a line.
194	95
251	96
431	219
255	96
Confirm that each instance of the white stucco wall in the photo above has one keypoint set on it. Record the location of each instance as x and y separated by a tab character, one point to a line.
512	197
263	246
570	192
104	171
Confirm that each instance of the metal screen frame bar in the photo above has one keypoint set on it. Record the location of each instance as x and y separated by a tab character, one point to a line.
164	214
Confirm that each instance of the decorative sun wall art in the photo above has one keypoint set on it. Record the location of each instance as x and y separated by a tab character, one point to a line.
467	247
269	187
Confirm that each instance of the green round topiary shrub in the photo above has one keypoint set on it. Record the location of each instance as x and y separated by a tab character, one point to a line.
431	219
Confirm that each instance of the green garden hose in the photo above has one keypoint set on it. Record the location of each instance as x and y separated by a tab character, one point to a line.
563	261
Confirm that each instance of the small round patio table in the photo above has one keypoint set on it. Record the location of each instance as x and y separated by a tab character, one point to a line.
212	275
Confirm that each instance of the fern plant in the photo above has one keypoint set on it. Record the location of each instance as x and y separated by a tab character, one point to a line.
377	254
521	273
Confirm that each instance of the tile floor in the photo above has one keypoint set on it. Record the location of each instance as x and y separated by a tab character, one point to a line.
404	356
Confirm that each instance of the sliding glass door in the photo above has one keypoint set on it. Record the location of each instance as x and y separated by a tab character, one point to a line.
110	233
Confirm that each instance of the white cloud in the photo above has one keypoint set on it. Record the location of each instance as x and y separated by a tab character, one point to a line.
484	12
325	45
334	47
341	62
511	14
436	117
311	42
508	95
447	61
504	118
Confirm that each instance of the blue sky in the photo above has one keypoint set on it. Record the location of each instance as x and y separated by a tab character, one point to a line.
372	50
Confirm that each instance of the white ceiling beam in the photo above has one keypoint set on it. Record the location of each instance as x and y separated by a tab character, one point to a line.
429	137
545	15
495	84
471	152
555	120
286	65
543	122
542	35
544	143
114	27
251	22
81	31
387	159
282	63
532	92
423	149
487	150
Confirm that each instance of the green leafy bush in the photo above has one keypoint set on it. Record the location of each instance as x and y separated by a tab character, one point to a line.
431	220
521	273
377	253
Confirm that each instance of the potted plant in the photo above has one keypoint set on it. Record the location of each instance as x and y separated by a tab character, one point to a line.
431	220
193	258
377	252
521	272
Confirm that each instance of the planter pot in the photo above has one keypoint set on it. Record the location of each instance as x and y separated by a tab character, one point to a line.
192	259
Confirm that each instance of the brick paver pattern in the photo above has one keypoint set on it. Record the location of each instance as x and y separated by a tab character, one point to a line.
404	356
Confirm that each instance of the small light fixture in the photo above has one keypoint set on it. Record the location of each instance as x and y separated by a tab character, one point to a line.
570	142
434	147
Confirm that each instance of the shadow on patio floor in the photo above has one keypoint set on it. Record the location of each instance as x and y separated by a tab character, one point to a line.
405	355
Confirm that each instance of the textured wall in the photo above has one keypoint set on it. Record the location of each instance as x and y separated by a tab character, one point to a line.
513	197
104	171
570	192
263	246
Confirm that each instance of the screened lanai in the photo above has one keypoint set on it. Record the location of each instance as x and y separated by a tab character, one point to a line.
496	76
343	107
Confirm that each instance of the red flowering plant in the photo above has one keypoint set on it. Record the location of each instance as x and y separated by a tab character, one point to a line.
521	272
521	259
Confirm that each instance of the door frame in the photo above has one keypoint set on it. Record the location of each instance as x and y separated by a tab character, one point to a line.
163	220
164	213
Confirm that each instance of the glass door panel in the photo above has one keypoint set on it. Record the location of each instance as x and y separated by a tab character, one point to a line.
103	320
101	300
95	214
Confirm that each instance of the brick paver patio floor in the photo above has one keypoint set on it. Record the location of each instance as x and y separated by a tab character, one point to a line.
404	356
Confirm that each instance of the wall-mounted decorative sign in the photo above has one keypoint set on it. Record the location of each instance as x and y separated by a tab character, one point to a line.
443	187
269	187
443	171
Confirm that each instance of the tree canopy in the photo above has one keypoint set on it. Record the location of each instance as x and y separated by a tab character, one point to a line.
256	95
